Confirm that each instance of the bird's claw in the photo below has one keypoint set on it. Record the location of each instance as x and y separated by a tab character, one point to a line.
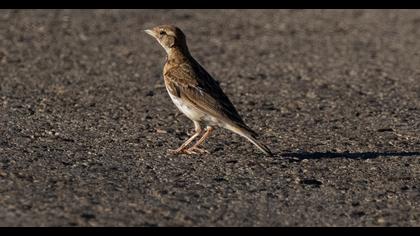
175	151
197	149
192	150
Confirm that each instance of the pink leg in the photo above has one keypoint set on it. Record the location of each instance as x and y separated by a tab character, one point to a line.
195	147
182	148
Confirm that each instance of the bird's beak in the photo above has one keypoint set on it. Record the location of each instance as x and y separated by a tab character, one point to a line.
151	32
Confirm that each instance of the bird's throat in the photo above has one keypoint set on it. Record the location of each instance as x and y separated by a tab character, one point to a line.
177	55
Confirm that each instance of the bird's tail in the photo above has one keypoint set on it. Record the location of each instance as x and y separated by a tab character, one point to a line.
249	134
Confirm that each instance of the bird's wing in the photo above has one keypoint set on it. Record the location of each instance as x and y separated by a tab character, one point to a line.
194	85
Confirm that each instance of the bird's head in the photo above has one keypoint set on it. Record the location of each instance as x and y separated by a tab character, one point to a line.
169	37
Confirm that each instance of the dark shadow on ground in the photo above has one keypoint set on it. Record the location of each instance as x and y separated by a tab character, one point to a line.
349	155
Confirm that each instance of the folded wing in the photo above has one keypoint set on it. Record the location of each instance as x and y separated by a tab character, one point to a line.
196	86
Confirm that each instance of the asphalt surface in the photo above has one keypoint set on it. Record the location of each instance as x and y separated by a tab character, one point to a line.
85	120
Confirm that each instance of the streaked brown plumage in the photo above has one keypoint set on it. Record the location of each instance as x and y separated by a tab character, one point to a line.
196	93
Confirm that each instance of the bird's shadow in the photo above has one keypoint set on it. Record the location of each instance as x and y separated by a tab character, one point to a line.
347	155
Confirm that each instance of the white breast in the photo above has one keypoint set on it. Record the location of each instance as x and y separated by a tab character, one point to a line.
191	112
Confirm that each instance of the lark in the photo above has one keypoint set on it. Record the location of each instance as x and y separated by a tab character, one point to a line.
196	94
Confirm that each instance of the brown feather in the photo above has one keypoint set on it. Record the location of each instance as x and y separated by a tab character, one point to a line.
195	85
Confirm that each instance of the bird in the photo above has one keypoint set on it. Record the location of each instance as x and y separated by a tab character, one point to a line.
197	94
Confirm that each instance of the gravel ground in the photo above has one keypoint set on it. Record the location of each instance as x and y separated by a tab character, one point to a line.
85	120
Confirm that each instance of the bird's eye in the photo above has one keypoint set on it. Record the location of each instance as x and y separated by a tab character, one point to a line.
162	32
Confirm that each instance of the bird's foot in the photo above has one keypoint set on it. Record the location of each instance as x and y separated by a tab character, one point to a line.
183	150
191	150
176	151
198	150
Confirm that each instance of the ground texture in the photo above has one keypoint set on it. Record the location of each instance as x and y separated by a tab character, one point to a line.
85	121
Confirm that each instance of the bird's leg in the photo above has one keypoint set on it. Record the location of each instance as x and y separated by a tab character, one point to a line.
182	148
195	147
